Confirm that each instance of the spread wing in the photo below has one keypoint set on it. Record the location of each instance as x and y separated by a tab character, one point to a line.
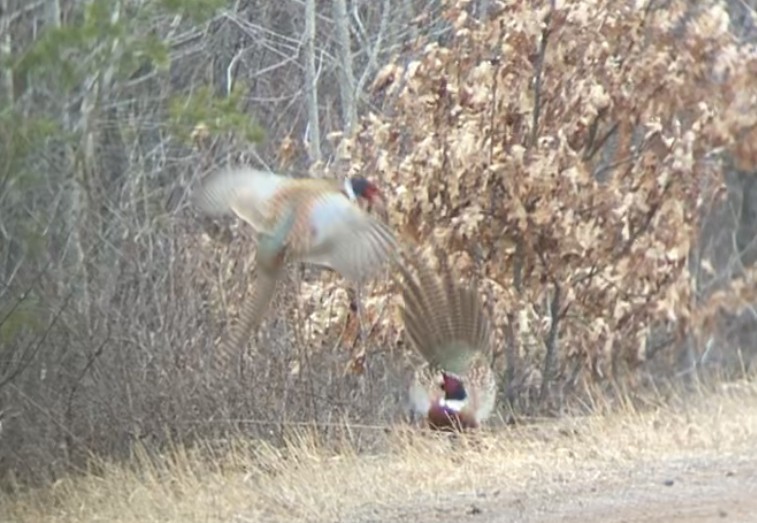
242	191
348	239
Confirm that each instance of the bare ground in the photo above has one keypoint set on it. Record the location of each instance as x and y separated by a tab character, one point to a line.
692	459
695	488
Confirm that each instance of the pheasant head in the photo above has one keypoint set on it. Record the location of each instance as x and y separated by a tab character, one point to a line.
453	387
359	189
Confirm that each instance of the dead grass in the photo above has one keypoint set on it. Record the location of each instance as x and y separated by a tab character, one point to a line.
305	480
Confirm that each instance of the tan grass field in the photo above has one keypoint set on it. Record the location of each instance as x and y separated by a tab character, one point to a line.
693	458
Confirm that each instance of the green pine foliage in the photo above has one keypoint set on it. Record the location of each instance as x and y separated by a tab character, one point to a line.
218	114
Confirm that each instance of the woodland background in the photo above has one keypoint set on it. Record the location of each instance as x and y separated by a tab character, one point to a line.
591	165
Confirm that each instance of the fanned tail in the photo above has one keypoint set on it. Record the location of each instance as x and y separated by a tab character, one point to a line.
444	320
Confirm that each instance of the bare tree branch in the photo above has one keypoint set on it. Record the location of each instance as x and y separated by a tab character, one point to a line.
372	64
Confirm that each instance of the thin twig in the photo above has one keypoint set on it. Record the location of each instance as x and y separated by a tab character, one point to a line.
538	73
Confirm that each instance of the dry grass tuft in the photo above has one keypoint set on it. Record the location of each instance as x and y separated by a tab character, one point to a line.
310	479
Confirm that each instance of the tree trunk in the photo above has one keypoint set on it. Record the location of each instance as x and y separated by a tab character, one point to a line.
311	83
6	48
346	77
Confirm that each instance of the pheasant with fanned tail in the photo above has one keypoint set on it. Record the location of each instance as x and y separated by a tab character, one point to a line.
445	322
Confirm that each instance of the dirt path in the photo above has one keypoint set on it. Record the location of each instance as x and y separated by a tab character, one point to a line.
701	489
711	490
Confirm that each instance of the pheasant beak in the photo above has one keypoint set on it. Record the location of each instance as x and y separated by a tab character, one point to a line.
377	201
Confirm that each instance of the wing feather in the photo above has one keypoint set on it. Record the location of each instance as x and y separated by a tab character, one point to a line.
348	239
242	191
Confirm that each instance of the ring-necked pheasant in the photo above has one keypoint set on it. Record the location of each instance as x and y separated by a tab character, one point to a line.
310	220
445	321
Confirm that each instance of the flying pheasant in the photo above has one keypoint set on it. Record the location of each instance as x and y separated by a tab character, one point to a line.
315	221
445	322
